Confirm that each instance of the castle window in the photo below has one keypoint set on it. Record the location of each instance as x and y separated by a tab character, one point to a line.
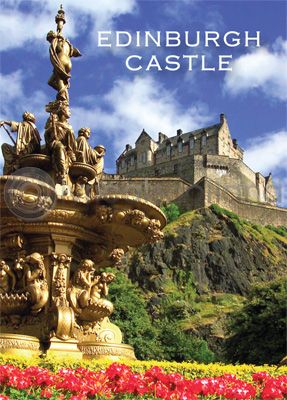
179	146
123	163
143	157
203	141
132	160
168	149
191	143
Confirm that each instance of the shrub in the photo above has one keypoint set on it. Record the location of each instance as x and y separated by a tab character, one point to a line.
171	211
280	230
258	330
132	317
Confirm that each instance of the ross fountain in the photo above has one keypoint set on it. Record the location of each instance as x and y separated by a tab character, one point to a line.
58	235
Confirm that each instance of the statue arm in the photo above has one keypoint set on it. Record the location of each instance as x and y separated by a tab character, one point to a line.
5	123
105	289
86	280
106	279
14	126
31	276
27	274
12	275
75	52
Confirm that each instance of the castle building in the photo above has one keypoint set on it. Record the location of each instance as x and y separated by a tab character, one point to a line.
194	170
204	153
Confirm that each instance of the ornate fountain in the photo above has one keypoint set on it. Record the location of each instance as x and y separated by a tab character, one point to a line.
58	235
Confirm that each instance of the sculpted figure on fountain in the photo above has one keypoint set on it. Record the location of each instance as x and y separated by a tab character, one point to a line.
27	141
61	142
61	52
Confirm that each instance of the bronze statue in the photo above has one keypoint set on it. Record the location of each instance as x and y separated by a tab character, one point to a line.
87	292
61	142
28	141
52	296
7	278
35	281
26	291
61	51
88	155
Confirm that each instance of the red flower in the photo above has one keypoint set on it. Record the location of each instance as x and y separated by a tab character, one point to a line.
3	397
46	393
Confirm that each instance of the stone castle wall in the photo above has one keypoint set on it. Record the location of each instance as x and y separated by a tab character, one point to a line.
190	197
260	213
155	190
230	173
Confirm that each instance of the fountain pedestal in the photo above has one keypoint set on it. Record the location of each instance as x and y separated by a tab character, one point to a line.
54	300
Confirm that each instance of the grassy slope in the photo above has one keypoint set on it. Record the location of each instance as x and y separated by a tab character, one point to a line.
212	309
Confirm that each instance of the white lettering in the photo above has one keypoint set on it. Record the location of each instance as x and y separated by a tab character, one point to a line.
187	43
102	39
169	61
128	63
251	39
190	59
234	42
172	39
224	64
211	36
204	68
153	63
150	36
122	35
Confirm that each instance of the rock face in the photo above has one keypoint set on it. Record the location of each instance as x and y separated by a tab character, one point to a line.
220	251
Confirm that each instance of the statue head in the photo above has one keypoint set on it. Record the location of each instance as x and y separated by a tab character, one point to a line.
64	111
100	149
87	265
3	266
50	36
86	132
27	116
35	259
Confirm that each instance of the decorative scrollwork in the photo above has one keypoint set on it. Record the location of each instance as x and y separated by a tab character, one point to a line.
60	264
116	256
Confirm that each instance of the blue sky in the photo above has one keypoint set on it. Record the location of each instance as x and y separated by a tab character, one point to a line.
117	103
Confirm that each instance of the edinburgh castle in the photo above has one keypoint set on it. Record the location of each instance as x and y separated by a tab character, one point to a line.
195	169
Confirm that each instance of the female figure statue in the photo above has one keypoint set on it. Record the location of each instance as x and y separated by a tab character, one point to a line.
61	51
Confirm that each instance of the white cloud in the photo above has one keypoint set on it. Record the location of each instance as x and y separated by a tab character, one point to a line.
14	99
176	10
141	103
120	115
261	69
268	153
18	28
11	86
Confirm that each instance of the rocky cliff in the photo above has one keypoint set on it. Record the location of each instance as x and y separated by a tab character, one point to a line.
198	275
220	251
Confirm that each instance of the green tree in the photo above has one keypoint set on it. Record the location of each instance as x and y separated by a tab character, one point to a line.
162	338
178	345
258	331
171	211
132	317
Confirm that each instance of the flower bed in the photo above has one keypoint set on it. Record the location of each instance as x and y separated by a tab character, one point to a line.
118	381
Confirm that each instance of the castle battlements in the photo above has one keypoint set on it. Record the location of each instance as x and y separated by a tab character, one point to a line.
209	152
